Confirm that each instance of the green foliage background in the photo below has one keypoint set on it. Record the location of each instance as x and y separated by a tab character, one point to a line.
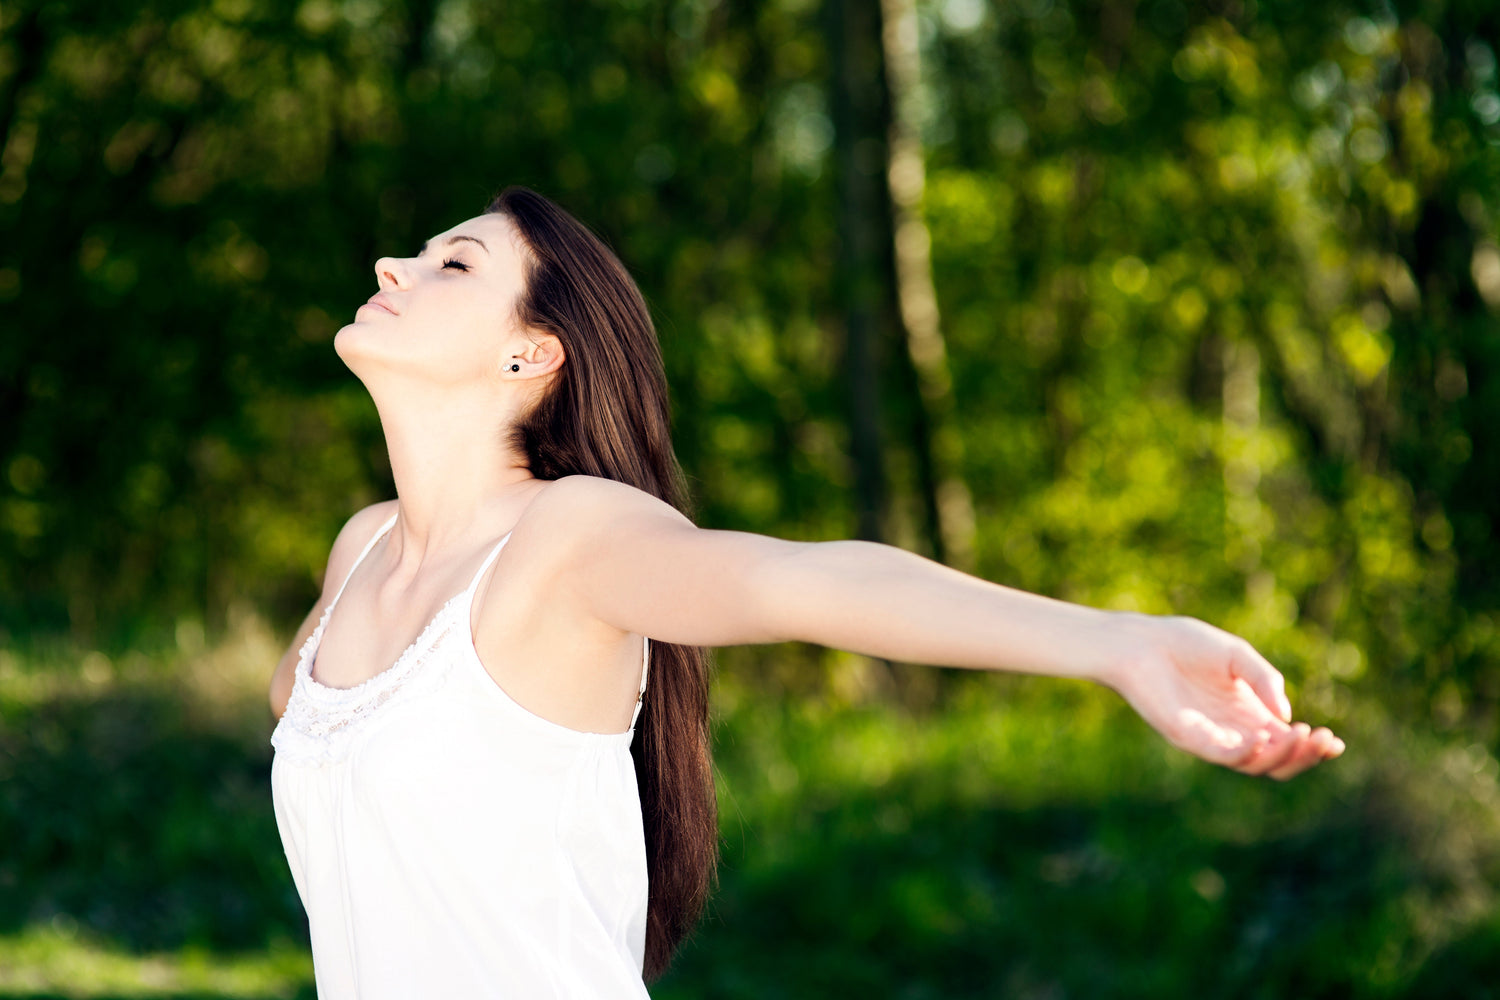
1219	286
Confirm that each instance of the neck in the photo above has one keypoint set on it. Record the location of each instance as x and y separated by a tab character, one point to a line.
456	474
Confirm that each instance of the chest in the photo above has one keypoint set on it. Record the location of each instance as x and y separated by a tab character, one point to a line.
363	635
541	649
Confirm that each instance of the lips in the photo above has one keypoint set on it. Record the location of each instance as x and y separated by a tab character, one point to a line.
380	301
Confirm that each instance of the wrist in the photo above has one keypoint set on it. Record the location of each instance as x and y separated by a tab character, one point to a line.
1116	641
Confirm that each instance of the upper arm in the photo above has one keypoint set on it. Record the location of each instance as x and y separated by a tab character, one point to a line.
637	563
346	548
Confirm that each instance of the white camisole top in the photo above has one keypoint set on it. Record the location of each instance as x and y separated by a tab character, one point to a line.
447	842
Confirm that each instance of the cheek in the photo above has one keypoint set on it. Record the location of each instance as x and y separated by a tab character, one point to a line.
461	339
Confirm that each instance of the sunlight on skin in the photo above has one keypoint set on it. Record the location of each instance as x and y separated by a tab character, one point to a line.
1213	695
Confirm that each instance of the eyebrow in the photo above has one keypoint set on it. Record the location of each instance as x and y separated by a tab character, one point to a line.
454	239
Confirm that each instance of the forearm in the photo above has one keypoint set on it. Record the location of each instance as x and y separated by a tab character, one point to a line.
884	601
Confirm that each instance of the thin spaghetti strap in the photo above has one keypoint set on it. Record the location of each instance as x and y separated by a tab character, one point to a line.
498	546
645	665
487	560
368	546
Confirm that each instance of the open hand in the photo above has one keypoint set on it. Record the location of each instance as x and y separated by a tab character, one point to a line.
1210	693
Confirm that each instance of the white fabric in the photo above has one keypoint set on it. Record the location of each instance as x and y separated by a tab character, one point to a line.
447	842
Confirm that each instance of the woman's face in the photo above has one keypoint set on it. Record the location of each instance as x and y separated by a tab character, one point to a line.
443	315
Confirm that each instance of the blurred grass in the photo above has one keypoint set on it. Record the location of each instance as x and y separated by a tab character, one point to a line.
56	960
1016	838
1034	839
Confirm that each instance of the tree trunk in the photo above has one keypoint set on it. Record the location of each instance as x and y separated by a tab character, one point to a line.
860	286
948	508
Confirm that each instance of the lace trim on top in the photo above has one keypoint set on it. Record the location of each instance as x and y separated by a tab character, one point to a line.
319	721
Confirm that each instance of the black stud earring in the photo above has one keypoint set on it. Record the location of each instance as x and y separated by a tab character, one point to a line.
515	368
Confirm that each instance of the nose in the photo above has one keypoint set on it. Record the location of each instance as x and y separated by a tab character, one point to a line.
390	273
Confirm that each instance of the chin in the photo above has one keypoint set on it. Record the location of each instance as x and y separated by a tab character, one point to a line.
362	335
359	345
346	339
380	351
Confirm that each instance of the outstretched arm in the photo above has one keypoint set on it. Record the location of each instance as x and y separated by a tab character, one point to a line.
641	566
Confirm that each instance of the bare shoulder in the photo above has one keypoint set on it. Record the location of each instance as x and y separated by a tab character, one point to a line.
357	531
589	508
613	556
581	521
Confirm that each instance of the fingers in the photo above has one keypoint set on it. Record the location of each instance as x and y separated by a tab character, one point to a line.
1289	749
1279	751
1265	680
1320	745
1290	753
1218	744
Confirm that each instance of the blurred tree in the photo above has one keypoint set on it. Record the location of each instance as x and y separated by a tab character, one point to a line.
947	506
1215	285
1217	290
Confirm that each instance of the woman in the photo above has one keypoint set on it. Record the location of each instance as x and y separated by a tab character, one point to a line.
470	812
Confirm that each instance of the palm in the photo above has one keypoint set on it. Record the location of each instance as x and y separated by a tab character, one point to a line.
1212	695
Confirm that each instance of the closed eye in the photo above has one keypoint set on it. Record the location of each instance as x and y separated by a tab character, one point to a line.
456	263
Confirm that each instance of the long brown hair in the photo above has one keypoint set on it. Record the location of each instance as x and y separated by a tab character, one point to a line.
606	414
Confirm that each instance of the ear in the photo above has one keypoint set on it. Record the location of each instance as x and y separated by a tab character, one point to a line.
538	353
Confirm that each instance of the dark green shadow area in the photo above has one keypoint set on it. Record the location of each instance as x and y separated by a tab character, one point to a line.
1150	882
897	897
119	812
